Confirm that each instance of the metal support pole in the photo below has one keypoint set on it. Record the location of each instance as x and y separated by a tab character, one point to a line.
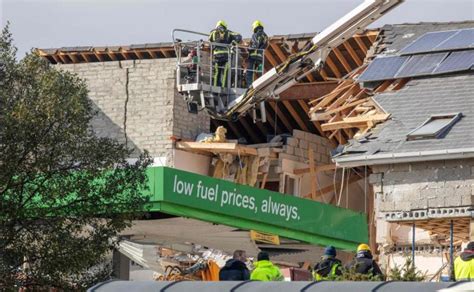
211	58
413	244
451	250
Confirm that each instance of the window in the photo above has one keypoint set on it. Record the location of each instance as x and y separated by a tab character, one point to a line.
291	185
434	127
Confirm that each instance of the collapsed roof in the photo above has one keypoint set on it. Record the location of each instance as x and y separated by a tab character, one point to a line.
339	107
441	107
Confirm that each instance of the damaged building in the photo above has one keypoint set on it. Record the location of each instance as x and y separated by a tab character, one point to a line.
385	128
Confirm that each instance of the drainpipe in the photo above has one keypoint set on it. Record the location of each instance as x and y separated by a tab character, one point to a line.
413	244
451	250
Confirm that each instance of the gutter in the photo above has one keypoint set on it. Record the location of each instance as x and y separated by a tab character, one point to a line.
404	157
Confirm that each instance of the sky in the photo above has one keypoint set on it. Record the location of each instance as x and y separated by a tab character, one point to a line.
68	23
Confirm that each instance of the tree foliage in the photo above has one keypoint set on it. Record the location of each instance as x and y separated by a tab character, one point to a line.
406	272
61	186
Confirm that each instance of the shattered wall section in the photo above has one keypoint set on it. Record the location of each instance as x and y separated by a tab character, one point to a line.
414	186
137	103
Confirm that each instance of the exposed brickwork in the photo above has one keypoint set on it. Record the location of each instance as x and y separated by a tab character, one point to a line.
139	98
297	147
423	185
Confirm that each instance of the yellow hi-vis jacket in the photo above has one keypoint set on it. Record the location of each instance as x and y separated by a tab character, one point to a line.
464	270
266	271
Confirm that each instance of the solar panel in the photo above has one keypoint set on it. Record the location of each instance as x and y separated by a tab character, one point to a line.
463	39
421	65
456	61
382	68
427	42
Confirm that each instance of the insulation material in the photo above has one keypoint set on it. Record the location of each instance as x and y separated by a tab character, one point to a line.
219	136
252	170
241	177
222	166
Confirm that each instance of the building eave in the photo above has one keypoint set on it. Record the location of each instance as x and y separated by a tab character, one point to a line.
404	157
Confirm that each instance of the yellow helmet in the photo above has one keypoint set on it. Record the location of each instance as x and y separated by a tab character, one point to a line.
221	23
362	247
256	24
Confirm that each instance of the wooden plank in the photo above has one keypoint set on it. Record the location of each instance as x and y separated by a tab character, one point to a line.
354	122
340	100
320	168
264	180
266	145
325	100
312	172
216	147
326	115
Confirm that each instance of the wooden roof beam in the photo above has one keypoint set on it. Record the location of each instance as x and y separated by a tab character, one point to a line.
278	52
74	58
352	53
342	60
233	148
295	116
354	122
308	90
330	63
361	44
62	57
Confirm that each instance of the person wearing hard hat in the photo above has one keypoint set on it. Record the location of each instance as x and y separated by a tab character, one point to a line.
328	266
464	264
258	43
221	54
363	263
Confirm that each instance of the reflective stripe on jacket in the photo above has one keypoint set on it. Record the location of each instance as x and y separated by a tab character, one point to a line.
266	271
223	37
328	267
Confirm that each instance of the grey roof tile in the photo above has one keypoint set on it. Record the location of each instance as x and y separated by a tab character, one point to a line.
412	105
396	36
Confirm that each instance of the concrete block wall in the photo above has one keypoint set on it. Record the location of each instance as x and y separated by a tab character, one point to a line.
297	147
424	185
139	98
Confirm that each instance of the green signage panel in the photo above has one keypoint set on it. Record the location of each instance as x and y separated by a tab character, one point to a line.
191	195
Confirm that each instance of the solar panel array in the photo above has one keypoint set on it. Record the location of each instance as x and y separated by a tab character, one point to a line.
419	65
441	41
432	53
383	68
456	61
